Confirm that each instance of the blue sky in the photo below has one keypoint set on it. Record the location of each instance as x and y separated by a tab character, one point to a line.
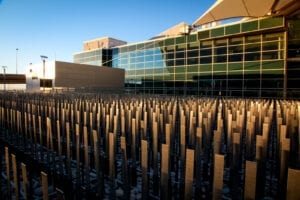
57	28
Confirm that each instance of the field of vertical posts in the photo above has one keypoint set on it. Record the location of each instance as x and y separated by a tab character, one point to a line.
89	146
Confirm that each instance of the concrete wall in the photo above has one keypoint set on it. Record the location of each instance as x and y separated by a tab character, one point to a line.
80	76
102	43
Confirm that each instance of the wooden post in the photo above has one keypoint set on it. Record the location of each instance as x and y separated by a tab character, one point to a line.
60	195
249	138
97	164
25	180
122	126
229	131
107	126
49	134
293	182
250	180
7	165
145	124
164	174
182	143
126	184
218	176
40	131
44	177
260	159
15	174
78	180
192	122
198	153
284	157
168	134
217	142
111	156
155	145
189	174
26	137
265	136
236	149
86	155
133	141
68	142
144	162
259	148
206	133
34	134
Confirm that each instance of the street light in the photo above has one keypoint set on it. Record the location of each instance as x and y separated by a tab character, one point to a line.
4	78
44	60
17	60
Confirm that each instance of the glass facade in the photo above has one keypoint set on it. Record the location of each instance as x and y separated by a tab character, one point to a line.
293	59
248	59
101	57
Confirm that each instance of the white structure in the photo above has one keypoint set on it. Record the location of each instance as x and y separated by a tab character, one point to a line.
65	76
36	73
226	9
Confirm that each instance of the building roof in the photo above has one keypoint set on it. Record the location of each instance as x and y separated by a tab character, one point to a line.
178	29
226	9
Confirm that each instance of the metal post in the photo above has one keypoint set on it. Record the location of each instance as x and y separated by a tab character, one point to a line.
44	60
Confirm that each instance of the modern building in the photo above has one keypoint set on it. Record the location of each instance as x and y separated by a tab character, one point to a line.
98	51
65	76
256	56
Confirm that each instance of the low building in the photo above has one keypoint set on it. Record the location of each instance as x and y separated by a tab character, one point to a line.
12	82
65	76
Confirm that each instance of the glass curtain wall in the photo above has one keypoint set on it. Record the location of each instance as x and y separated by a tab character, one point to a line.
293	57
100	57
245	59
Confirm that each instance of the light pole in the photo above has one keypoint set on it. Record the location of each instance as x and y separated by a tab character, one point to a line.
4	78
30	81
44	60
17	60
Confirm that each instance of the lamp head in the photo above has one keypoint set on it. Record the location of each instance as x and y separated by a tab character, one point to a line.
43	57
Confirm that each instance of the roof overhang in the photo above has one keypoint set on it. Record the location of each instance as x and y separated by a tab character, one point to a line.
226	9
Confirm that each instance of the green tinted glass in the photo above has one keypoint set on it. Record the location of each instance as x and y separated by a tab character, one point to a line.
190	77
205	68
252	66
273	72
272	65
203	34
220	67
192	68
233	29
249	26
179	77
179	69
192	38
217	32
235	66
169	41
180	40
271	22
